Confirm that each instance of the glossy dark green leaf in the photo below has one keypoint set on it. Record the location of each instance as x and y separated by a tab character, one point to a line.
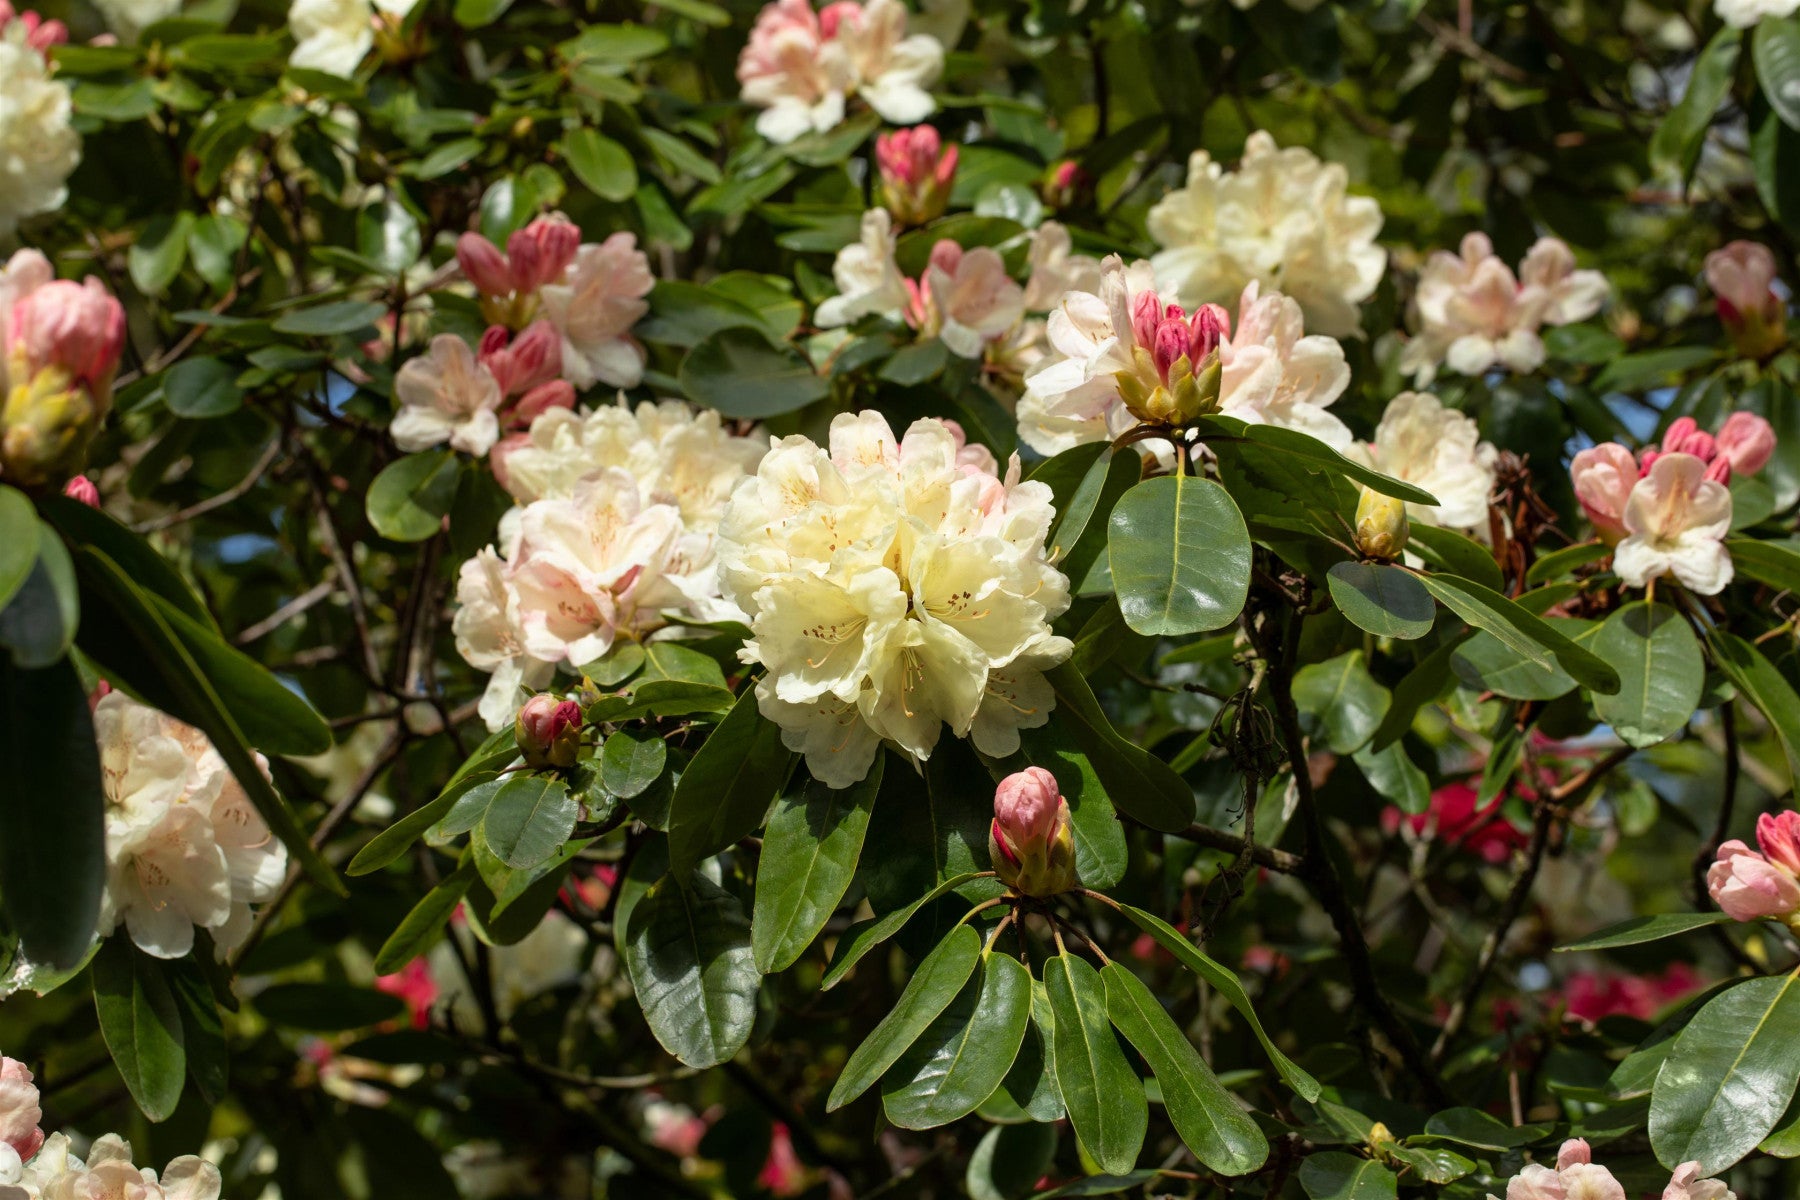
726	790
1104	1096
1345	698
1774	563
424	925
1394	776
327	1007
1228	986
1676	144
603	166
809	856
407	502
1472	1127
1101	850
688	951
529	819
961	1057
1522	630
1559	563
739	373
1762	685
39	623
1304	448
1141	786
1637	930
202	1029
199	388
52	814
141	1025
1335	1175
1661	672
1775	48
1730	1076
156	257
18	541
866	935
1459	554
1486	664
1009	1160
1427	680
324	320
1382	598
631	760
1084	502
936	982
151	572
1212	1123
1180	556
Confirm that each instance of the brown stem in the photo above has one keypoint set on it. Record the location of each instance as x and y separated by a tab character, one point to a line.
1231	843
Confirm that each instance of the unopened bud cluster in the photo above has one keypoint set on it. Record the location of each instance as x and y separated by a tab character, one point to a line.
549	732
1031	841
1174	373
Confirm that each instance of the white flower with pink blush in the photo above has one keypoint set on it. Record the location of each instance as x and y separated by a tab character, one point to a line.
1741	276
1577	1177
107	1173
799	66
868	279
1749	885
1422	442
966	298
1675	523
1472	314
1604	476
594	305
446	395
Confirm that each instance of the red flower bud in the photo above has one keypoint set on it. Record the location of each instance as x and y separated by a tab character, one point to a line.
484	265
549	731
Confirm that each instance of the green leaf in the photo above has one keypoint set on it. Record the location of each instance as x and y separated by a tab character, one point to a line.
1080	534
1448	550
325	320
1141	785
1417	688
1677	141
141	1025
52	814
474	14
18	542
603	166
133	640
1661	673
39	623
688	951
1009	1160
201	388
739	373
1382	598
424	925
936	982
1335	1175
1346	699
1180	556
961	1057
1524	631
155	259
1562	562
1228	986
1486	664
1104	1096
327	1007
1730	1076
1637	930
1774	563
202	1031
1101	850
1775	48
615	43
149	570
1212	1124
1395	776
632	760
1763	686
1306	448
865	936
408	501
529	819
1472	1127
725	792
809	856
387	234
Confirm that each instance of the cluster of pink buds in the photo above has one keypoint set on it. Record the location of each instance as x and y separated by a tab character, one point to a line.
1067	185
1741	276
62	342
527	366
916	173
1031	841
40	34
1749	886
1174	373
1605	475
548	732
508	282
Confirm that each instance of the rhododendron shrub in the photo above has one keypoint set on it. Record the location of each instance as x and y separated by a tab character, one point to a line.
852	598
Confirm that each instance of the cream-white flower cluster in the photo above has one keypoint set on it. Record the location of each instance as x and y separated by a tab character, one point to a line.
1742	14
334	36
1271	372
185	847
894	588
39	148
1422	442
1283	219
1472	314
616	528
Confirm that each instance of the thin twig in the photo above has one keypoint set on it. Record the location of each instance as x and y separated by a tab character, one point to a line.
1231	843
287	612
219	500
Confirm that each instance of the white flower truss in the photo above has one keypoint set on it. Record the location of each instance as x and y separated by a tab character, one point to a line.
1439	449
894	588
39	148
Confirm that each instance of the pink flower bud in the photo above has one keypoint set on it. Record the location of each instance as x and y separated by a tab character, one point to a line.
1684	437
1719	471
1604	476
1211	325
81	488
501	451
20	1111
907	157
1747	887
1171	343
1747	441
541	252
557	393
1686	1184
520	363
946	256
1740	275
484	265
1146	318
548	732
1030	841
77	326
1573	1151
834	15
1779	836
